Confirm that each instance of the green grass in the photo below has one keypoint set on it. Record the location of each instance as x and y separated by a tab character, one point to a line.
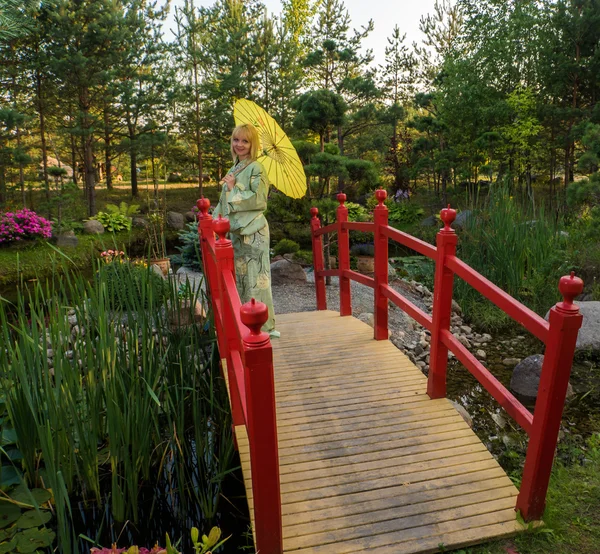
572	517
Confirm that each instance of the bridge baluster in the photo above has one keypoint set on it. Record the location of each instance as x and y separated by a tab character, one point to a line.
343	257
318	262
442	305
262	429
380	217
565	321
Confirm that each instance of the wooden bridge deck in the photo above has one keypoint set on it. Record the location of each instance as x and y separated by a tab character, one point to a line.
367	461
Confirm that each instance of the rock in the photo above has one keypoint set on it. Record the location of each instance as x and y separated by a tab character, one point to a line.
93	227
461	219
463	412
430	221
418	350
466	329
456	308
464	341
391	271
190	216
175	221
525	379
49	353
284	271
589	334
480	354
157	270
67	239
511	362
140	222
499	420
72	319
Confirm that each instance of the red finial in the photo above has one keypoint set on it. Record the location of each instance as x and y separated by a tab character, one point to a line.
341	198
448	215
221	227
203	204
254	315
381	195
570	287
314	212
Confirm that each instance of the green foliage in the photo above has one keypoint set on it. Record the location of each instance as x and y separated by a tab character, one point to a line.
357	212
517	248
362	249
285	246
122	393
125	282
416	268
117	218
404	212
189	252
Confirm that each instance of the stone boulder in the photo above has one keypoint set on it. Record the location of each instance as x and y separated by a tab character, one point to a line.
190	216
141	222
175	220
284	271
67	239
93	227
430	221
461	219
525	379
588	338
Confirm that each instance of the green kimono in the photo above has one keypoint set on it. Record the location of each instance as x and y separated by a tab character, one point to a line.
244	205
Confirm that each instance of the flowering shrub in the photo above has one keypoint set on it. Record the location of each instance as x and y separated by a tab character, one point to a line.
23	224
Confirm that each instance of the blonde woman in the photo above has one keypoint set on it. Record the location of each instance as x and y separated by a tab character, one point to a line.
243	200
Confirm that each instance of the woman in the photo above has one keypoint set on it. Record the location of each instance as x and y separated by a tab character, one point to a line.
243	200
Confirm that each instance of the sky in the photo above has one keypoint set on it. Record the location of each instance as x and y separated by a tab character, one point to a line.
384	13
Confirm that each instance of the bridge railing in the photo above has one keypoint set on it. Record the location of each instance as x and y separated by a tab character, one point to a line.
559	334
249	370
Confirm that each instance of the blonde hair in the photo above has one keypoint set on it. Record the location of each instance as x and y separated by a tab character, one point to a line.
248	132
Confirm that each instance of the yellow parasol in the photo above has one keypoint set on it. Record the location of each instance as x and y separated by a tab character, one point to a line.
279	158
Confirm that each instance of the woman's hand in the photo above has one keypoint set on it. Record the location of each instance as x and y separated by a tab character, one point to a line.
229	180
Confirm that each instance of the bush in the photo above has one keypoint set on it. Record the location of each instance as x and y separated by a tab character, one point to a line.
189	253
117	218
23	225
285	246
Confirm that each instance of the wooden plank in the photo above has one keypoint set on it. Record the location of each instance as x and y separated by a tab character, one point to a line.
382	533
367	460
501	492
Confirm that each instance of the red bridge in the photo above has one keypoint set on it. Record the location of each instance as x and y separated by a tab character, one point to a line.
345	445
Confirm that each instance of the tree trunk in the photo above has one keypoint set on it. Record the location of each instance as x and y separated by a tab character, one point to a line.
133	160
197	122
88	149
340	135
41	112
74	159
107	149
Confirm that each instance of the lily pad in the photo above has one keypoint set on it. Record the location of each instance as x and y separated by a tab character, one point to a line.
8	546
9	513
32	539
8	533
9	475
33	519
21	494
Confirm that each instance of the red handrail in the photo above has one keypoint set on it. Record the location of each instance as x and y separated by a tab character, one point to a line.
249	364
559	334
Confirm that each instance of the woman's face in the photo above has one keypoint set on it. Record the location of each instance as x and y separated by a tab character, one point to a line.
241	147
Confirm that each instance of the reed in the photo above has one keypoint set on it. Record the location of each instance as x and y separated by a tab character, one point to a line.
127	396
517	247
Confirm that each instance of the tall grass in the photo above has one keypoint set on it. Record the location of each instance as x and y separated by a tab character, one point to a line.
519	248
130	397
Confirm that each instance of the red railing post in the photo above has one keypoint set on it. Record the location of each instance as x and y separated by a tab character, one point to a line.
226	322
380	217
442	305
207	237
343	257
262	429
565	321
318	262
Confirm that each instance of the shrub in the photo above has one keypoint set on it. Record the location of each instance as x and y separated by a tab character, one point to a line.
362	249
189	253
117	218
23	225
285	246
